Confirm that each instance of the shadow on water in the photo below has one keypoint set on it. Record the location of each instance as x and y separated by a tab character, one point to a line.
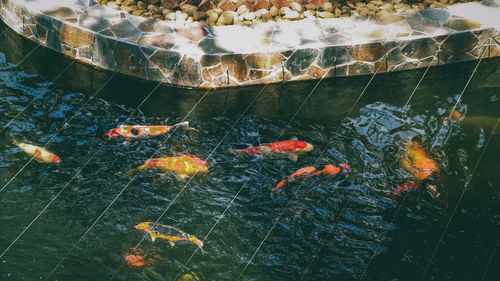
352	213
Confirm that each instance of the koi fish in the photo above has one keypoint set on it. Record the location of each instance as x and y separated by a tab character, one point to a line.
328	170
182	166
169	233
138	258
423	169
486	122
139	131
40	154
290	148
418	163
189	277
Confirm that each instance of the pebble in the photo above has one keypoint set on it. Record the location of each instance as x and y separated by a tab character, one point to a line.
298	9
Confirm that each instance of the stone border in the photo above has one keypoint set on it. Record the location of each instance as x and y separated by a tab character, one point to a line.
238	55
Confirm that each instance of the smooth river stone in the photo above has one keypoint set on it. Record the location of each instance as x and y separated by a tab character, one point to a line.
75	37
367	52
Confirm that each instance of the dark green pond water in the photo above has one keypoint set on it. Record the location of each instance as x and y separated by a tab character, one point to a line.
318	229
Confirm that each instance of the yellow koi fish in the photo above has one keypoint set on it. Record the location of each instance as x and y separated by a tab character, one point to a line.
182	166
40	154
169	233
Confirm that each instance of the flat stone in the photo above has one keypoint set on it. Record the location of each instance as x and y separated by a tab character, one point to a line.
367	52
75	37
102	52
42	32
53	40
210	46
96	24
154	26
209	60
428	21
460	43
192	33
60	12
420	48
236	66
263	61
166	60
190	71
359	68
300	61
166	41
315	71
125	29
462	24
334	55
258	74
129	55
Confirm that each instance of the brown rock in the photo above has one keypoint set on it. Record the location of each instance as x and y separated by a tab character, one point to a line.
199	15
227	5
280	3
236	66
169	4
367	52
257	74
315	71
263	61
317	3
205	5
260	4
75	37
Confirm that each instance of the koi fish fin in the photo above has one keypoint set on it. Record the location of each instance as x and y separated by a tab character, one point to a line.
153	238
294	157
182	124
132	172
182	176
279	185
294	138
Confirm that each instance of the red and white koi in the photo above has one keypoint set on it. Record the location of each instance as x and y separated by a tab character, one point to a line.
290	148
142	131
328	170
40	154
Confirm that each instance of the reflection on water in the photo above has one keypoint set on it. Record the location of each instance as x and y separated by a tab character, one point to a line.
352	213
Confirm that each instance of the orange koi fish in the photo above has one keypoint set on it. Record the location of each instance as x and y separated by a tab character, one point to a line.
138	258
40	154
423	169
290	148
417	162
182	166
488	123
169	233
328	170
139	131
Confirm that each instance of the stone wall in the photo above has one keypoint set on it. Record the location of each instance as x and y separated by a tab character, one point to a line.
226	56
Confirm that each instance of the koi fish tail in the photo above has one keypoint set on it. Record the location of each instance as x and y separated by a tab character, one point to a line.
279	185
133	172
182	124
406	187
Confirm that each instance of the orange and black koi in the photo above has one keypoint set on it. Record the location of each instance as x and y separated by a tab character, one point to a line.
139	131
169	233
290	148
328	170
